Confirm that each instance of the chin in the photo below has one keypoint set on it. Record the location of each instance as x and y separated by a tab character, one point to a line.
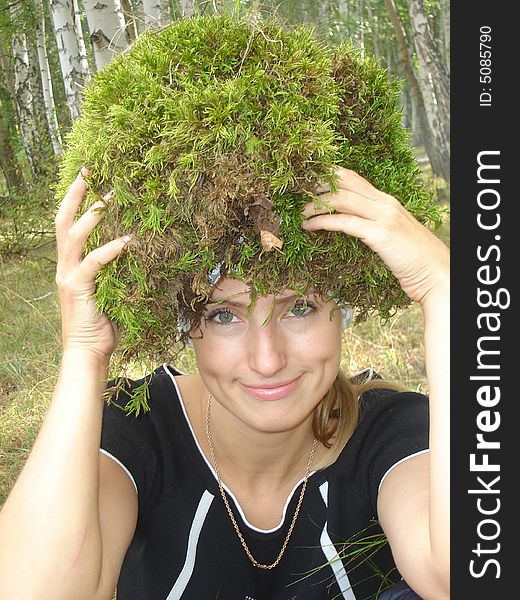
279	419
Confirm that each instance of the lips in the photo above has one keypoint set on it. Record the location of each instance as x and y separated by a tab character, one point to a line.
272	391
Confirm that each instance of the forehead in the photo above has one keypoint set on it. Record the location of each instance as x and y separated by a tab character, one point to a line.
227	286
232	289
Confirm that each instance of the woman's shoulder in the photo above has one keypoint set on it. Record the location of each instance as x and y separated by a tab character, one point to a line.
137	394
393	425
143	428
376	393
385	397
388	414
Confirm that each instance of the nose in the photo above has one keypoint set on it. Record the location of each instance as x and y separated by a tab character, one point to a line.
267	349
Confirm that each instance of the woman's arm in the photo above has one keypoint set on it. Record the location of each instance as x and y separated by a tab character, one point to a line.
57	541
414	500
413	503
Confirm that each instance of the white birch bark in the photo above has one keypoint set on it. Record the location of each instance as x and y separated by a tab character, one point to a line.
445	28
361	24
8	159
344	13
140	24
374	29
107	28
22	88
187	8
71	51
45	74
156	13
432	133
432	74
343	8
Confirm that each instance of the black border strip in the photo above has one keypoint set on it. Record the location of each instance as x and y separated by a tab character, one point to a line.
479	257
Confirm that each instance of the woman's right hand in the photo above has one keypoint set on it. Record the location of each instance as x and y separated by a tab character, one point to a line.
83	326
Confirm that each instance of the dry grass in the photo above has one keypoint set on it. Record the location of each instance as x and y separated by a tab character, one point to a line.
30	351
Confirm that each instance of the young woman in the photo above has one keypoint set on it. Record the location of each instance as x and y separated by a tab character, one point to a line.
246	479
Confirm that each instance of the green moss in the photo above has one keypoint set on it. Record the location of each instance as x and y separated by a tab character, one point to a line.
214	129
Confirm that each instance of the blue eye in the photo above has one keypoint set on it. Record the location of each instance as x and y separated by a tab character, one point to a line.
301	309
222	317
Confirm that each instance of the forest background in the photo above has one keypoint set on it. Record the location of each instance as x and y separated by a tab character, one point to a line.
49	51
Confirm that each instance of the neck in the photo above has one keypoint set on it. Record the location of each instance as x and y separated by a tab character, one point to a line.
254	459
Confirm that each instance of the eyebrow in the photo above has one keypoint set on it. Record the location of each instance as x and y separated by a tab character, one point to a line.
242	304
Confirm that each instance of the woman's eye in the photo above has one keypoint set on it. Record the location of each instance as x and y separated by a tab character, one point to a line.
222	317
301	309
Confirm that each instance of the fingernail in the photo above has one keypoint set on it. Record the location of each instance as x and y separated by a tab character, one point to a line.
109	195
84	171
127	238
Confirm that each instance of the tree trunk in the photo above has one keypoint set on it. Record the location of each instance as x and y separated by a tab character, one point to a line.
187	8
374	29
130	16
45	74
361	23
24	97
8	161
445	29
433	138
71	52
157	12
140	24
107	28
430	66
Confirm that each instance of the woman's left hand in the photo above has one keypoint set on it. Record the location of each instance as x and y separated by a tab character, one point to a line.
418	259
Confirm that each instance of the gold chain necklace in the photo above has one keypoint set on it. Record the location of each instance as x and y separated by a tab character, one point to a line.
230	512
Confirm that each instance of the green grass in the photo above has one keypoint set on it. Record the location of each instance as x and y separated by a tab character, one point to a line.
30	351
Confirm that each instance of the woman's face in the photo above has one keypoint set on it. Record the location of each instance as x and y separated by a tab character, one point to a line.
270	366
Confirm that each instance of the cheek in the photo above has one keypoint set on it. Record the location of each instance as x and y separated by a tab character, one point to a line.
323	339
319	350
216	356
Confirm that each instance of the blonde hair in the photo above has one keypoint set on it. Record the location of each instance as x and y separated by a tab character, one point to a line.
337	415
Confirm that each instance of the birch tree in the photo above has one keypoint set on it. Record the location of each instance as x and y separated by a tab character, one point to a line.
430	66
445	33
131	13
107	27
23	92
432	129
8	160
46	81
71	51
188	10
156	12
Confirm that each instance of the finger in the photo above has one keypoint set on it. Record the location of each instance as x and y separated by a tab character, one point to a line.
98	258
352	181
69	207
78	233
321	188
349	224
343	202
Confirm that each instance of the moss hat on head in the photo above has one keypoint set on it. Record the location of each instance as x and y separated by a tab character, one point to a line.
214	133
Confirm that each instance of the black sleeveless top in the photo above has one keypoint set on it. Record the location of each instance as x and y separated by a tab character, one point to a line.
185	545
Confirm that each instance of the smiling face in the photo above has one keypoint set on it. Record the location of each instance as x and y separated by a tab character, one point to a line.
270	366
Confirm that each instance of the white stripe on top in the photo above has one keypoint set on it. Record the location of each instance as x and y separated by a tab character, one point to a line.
398	463
331	554
121	465
193	539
